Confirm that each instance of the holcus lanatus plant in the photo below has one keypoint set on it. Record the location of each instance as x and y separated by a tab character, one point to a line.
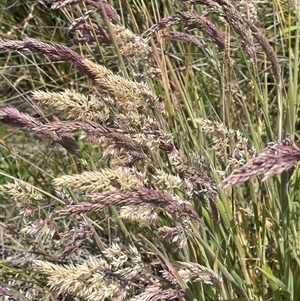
151	154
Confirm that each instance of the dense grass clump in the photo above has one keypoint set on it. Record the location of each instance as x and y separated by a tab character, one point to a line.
149	150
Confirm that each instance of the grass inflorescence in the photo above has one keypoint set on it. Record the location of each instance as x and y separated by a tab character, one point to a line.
149	150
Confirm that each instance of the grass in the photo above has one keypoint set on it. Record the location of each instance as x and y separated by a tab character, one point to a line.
167	169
